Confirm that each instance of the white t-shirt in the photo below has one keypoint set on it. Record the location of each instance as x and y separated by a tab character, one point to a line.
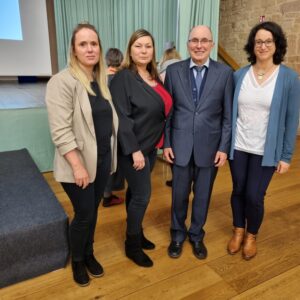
253	112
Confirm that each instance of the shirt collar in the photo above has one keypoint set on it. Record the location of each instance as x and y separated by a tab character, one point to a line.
192	64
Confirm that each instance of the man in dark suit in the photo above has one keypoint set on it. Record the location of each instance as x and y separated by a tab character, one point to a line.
197	136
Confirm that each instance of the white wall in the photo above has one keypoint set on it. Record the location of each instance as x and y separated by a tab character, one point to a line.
30	56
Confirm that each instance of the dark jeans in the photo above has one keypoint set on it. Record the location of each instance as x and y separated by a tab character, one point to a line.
250	182
139	190
85	204
116	182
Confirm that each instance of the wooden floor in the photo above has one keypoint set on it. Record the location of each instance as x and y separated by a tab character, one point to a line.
273	274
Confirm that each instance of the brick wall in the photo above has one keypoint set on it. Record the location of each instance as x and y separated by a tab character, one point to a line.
237	17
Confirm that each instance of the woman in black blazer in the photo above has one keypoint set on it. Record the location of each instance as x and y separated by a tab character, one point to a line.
142	104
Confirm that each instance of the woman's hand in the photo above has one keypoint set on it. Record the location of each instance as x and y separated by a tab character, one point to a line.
81	176
282	167
138	160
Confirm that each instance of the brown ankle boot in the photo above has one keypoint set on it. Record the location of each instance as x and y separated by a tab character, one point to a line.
249	248
236	240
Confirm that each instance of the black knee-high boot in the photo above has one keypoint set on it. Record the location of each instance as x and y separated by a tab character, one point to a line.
146	244
134	251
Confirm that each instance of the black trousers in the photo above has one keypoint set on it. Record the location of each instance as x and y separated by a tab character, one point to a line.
139	190
201	179
250	182
85	204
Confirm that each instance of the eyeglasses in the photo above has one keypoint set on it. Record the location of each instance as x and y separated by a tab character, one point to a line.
259	43
196	42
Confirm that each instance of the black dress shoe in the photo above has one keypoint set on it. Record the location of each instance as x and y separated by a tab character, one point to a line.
169	183
93	266
175	249
199	249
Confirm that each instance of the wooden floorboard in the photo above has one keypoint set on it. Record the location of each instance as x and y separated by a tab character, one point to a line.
273	274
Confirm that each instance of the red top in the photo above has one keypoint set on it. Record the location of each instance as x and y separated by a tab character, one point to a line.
167	99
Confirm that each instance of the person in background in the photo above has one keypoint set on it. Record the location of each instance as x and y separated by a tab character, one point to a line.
170	56
113	59
83	125
116	182
197	136
142	105
264	129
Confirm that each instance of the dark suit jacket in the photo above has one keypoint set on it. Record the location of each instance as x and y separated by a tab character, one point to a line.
201	130
141	112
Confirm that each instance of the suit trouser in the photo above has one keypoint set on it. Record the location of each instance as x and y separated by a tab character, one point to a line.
202	179
139	190
250	183
85	204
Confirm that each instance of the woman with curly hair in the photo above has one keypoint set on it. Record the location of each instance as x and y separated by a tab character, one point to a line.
264	129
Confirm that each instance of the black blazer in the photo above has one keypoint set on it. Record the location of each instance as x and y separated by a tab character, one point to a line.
141	112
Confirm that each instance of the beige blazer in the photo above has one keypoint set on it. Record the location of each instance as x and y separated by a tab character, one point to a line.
72	126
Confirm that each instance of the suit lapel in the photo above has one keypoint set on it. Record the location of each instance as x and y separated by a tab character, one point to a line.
212	77
184	75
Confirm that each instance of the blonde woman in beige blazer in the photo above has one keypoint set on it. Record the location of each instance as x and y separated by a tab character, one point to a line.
83	125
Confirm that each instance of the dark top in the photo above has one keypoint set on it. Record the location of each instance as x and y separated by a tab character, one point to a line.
141	112
109	78
102	117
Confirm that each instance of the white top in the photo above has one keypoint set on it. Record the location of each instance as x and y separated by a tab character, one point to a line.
163	67
253	112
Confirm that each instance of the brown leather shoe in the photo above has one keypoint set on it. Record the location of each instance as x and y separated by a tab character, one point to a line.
249	248
234	245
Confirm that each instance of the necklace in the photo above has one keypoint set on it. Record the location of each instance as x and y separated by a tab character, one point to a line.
260	75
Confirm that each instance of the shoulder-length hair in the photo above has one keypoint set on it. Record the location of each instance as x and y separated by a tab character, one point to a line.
99	68
170	54
128	62
279	40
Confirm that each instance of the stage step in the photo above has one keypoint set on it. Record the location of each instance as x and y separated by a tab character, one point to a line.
33	224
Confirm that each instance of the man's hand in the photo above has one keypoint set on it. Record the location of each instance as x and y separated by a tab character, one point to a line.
169	155
220	159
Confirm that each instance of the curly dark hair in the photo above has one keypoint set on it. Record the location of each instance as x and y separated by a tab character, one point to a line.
279	39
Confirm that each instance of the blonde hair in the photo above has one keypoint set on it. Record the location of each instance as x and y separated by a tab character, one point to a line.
170	54
99	69
128	62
